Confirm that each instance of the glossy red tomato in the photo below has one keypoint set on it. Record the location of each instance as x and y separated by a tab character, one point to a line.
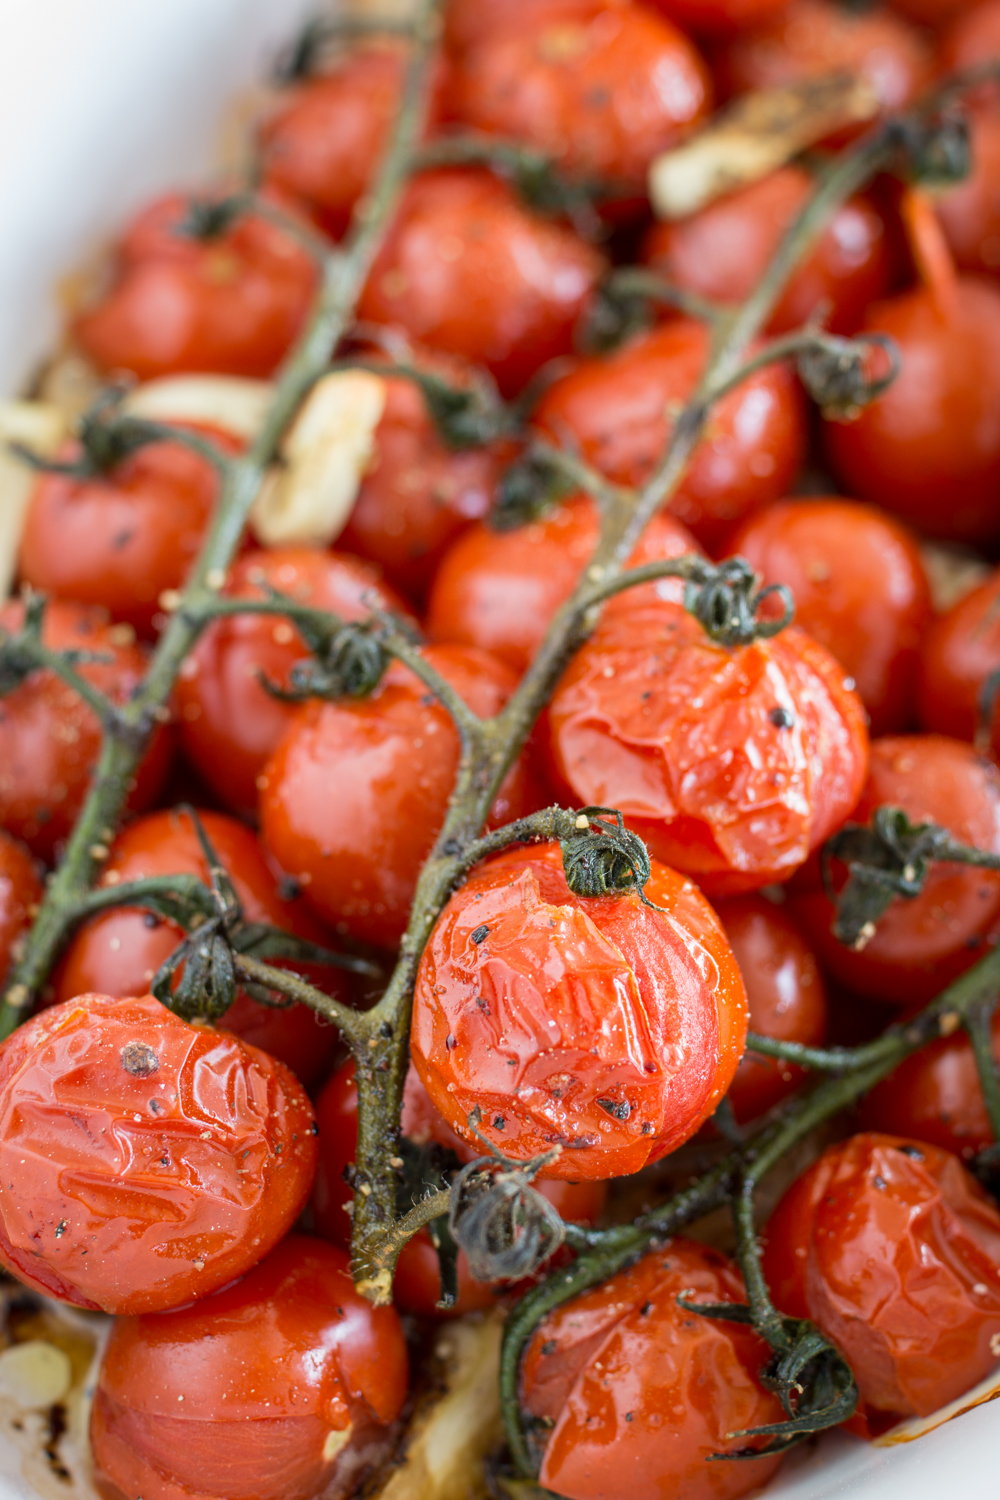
232	302
468	270
733	763
20	892
229	722
859	588
501	590
146	1162
356	791
620	408
638	1393
722	252
891	1248
277	1388
961	650
596	1024
970	212
920	945
50	740
118	952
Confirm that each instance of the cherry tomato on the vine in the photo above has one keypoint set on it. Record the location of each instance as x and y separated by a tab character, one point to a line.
970	211
20	891
961	650
972	38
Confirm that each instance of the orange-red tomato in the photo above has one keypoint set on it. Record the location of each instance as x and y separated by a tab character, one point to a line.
229	722
118	952
891	1248
970	212
723	251
469	270
961	650
934	13
920	945
145	1162
598	1025
232	302
733	763
20	891
859	588
50	740
501	590
469	22
638	1394
277	1388
620	408
355	793
973	37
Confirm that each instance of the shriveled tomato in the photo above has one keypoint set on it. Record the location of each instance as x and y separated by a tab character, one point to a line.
501	590
231	301
723	251
278	1388
468	270
356	791
733	763
961	650
20	891
891	1248
50	740
859	588
598	1025
621	408
935	1095
229	722
146	1162
639	1394
920	945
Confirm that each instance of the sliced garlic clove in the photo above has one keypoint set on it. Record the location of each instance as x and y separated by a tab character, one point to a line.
42	428
235	404
35	1374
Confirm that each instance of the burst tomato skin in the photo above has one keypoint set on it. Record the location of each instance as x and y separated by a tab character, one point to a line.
50	740
20	892
640	1392
617	407
891	1248
733	763
145	1161
961	649
229	722
859	589
576	1001
273	1389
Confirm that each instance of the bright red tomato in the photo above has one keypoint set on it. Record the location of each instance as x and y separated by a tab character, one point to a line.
891	1248
961	649
146	1162
637	1393
277	1388
973	38
20	892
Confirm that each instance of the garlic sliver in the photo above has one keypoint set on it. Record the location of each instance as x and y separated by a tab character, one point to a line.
232	402
42	428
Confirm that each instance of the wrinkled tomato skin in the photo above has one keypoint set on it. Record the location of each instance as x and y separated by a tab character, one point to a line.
118	952
641	1393
935	1095
733	763
617	407
891	1248
229	722
20	893
961	650
232	304
929	448
356	791
920	945
722	252
50	740
599	1024
276	1388
468	270
501	590
785	997
135	1186
859	589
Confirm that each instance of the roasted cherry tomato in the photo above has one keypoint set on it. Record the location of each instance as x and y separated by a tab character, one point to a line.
20	891
638	1395
859	589
468	270
160	1160
229	722
621	408
355	793
50	740
722	252
891	1248
595	1024
970	212
961	650
972	38
922	944
469	22
231	300
118	952
934	13
278	1388
501	590
733	763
